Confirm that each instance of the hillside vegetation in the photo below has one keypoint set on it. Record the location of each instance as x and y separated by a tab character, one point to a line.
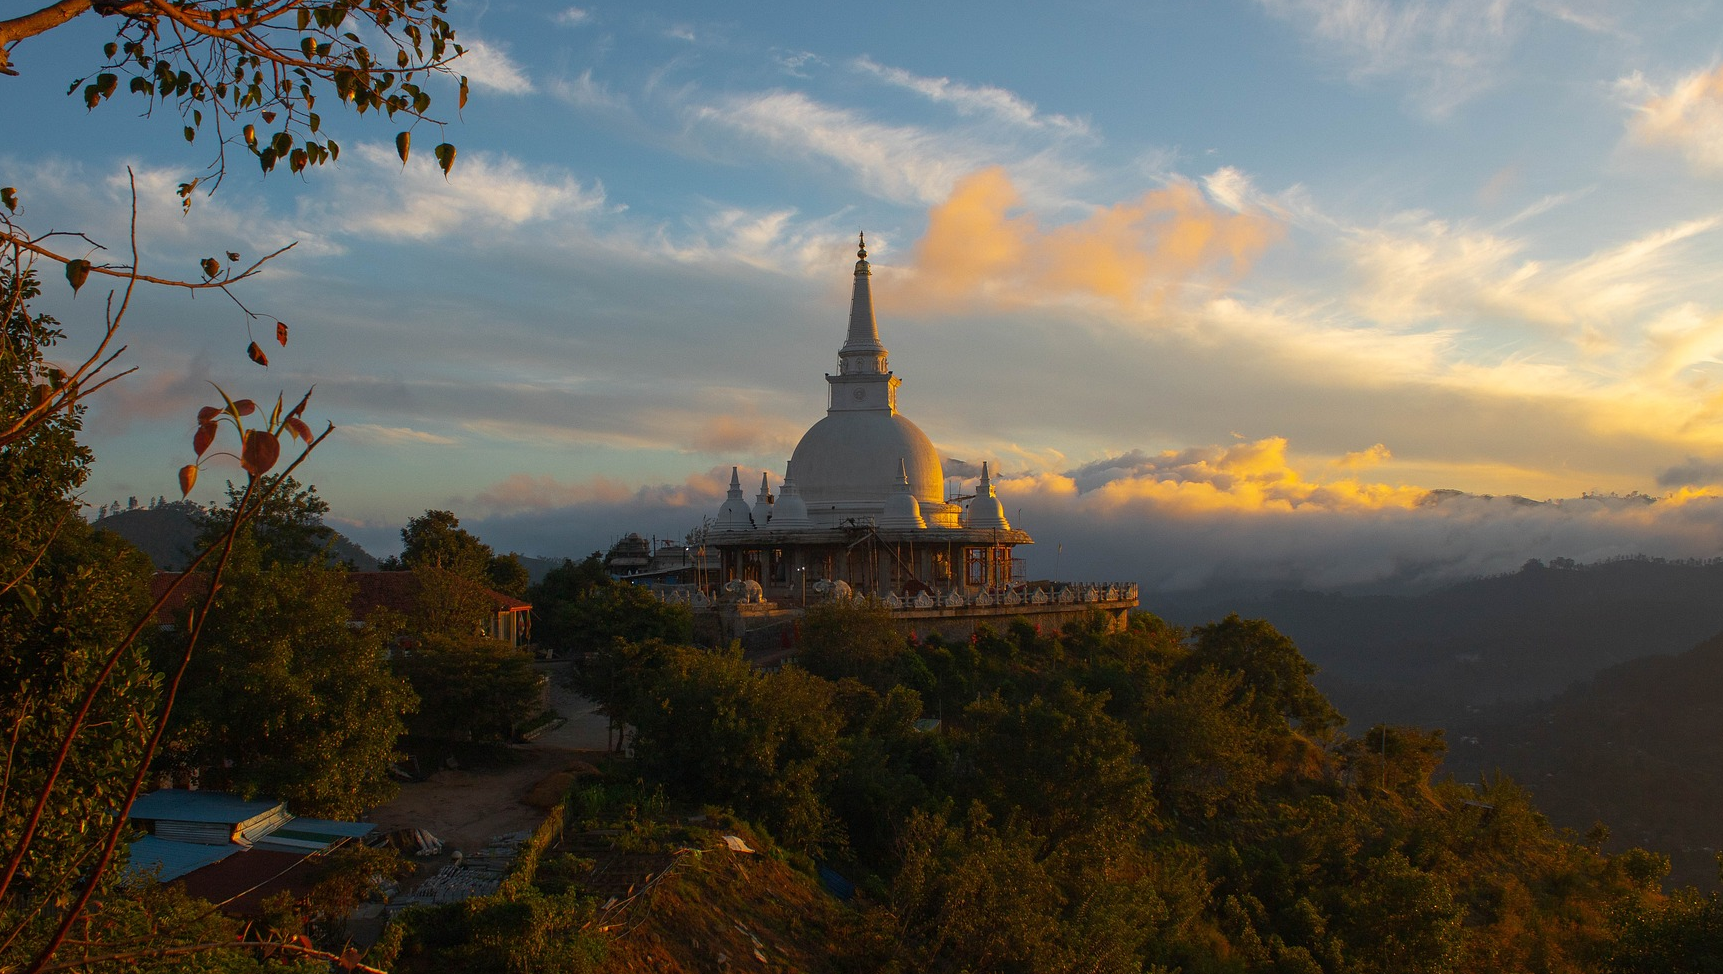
1151	800
1639	748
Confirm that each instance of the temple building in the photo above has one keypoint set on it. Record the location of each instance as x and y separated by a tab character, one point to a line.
862	511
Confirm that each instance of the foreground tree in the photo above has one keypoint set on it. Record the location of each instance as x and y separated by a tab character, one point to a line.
436	540
285	699
268	62
471	689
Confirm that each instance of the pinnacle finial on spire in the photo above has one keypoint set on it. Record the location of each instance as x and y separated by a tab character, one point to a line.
861	245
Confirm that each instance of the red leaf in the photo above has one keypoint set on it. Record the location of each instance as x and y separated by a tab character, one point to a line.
203	438
297	410
208	414
244	407
298	428
187	478
76	272
261	451
281	332
257	355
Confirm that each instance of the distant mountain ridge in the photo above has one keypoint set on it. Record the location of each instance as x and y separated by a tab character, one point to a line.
168	532
1431	659
1638	747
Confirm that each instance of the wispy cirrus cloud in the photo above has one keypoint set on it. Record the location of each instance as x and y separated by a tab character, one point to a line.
1417	268
1446	51
484	190
1686	116
584	92
375	435
966	99
902	163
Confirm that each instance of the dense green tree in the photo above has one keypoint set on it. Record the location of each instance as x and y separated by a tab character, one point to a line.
285	699
436	539
620	678
1682	934
1060	765
598	614
1275	673
507	575
287	529
476	688
762	743
90	588
853	638
448	604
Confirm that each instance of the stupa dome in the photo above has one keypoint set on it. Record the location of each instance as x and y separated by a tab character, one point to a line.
849	457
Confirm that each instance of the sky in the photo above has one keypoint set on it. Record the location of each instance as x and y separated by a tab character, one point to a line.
1294	291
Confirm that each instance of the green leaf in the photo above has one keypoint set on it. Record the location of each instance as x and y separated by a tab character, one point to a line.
445	154
403	141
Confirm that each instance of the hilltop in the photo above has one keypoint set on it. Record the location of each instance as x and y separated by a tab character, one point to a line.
168	531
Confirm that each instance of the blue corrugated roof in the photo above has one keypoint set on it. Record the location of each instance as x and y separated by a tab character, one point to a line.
324	828
174	859
179	805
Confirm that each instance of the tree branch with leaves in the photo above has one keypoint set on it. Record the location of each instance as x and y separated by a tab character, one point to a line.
257	68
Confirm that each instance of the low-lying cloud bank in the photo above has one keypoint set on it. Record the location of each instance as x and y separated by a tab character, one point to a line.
1241	515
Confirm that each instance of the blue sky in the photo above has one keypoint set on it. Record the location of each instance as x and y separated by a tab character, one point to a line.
1223	289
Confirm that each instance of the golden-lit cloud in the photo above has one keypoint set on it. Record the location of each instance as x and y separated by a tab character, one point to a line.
1243	478
980	247
1687	116
1360	459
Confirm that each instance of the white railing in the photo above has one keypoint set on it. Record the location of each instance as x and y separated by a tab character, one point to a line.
1070	594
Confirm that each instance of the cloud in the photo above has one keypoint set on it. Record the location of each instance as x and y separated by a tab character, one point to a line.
1175	521
1445	51
1244	514
1361	459
1687	116
1415	269
986	100
490	68
372	434
583	92
899	162
484	190
1243	477
572	17
980	247
793	62
1693	472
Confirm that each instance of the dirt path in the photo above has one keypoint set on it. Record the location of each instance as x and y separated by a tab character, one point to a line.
466	807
